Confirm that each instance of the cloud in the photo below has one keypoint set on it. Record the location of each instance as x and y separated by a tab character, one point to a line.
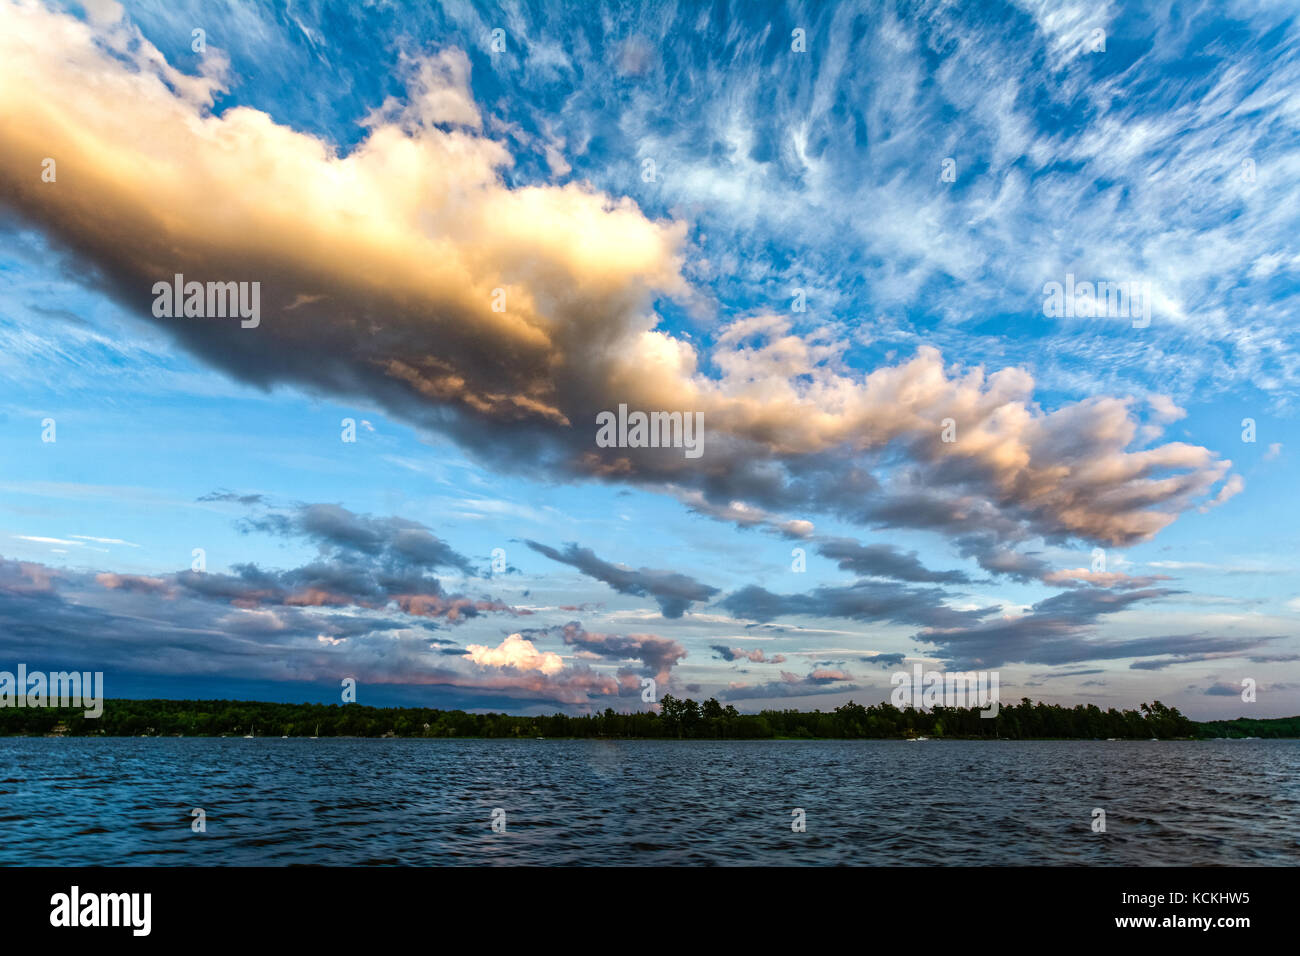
864	600
1163	409
818	681
515	652
134	582
674	592
73	541
657	655
755	656
885	660
398	543
1102	579
405	241
1017	565
884	561
230	496
86	537
741	514
1231	488
218	626
363	561
1059	630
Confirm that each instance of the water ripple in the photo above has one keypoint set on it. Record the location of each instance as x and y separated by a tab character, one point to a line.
85	801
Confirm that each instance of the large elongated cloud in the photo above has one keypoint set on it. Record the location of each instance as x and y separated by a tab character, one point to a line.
380	269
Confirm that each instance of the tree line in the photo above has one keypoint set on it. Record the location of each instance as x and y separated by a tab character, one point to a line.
676	719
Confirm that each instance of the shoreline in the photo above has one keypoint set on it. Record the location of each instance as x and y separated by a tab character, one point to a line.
673	719
737	740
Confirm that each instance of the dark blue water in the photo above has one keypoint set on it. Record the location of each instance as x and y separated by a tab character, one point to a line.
268	801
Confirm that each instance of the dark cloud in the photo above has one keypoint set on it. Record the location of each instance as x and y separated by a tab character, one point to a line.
658	655
1059	630
997	559
232	497
863	601
81	618
1212	652
755	656
363	561
885	660
398	543
794	685
885	561
673	591
239	627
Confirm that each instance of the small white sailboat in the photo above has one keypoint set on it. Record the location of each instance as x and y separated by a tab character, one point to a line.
252	732
316	736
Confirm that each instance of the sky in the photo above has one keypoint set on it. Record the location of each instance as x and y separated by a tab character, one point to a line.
827	231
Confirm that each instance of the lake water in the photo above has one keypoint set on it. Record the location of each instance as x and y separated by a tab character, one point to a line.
78	801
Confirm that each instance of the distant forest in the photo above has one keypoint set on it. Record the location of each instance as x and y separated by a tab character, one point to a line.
684	719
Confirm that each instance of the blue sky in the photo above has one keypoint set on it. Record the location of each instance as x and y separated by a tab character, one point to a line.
653	186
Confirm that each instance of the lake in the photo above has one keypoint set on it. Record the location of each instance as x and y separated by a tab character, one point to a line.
88	801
